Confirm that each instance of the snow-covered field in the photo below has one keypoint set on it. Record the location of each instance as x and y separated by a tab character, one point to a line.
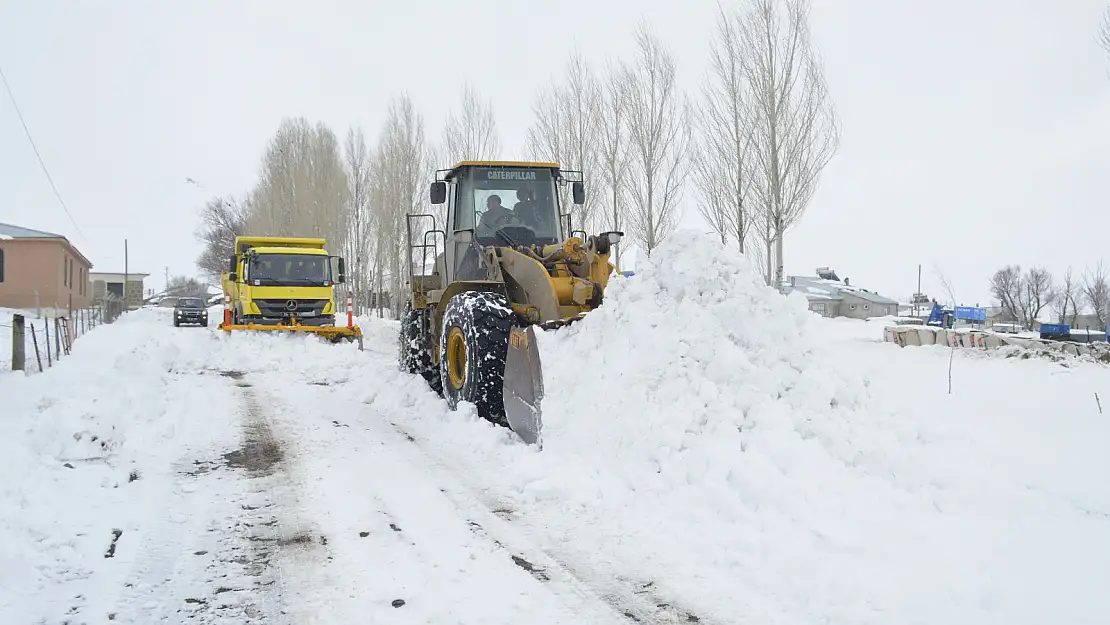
713	453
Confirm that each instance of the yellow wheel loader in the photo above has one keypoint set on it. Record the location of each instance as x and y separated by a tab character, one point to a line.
510	261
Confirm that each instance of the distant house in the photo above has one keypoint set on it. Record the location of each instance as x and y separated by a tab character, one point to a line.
41	270
830	297
110	285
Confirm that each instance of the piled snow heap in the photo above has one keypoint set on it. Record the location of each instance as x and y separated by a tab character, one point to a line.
701	432
688	359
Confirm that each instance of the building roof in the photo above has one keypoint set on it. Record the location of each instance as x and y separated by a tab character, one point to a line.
874	298
19	232
819	289
93	275
10	231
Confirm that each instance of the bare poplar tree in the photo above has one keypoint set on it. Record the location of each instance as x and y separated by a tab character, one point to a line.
1039	293
1096	292
302	190
659	133
795	128
471	133
401	166
222	219
359	240
1006	286
722	166
613	148
566	131
1066	300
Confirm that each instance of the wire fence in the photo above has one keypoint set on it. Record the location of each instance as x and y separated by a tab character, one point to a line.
36	340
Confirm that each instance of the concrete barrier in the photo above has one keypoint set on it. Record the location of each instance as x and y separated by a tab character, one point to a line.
968	338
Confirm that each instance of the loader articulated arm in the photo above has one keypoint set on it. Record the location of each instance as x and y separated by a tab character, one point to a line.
552	284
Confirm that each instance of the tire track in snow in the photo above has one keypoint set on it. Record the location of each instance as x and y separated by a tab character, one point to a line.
274	538
416	542
222	533
188	563
635	601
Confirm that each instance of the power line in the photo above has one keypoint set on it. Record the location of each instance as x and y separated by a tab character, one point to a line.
34	147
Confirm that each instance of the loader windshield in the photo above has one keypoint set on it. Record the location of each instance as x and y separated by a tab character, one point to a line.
289	270
508	205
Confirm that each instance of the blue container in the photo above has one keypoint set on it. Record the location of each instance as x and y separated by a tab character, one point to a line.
1055	328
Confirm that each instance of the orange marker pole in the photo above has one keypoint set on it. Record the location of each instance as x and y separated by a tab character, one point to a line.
350	311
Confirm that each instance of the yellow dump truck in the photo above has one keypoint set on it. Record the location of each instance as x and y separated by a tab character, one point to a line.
285	284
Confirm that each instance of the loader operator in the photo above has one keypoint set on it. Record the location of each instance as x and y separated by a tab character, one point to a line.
525	208
495	217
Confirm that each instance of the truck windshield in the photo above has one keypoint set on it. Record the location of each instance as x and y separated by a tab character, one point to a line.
290	269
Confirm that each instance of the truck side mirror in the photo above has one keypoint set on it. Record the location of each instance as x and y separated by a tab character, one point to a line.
439	192
234	277
231	262
342	277
578	190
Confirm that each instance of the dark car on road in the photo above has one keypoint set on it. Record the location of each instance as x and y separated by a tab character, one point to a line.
190	310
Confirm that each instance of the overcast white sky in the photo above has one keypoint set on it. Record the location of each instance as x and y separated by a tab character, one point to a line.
975	131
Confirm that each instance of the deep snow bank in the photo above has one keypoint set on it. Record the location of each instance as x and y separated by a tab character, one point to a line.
695	350
70	439
702	432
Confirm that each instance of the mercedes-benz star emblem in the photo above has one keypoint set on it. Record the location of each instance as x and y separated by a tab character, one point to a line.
291	305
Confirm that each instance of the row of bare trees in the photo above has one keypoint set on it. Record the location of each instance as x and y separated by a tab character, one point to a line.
355	195
1024	296
755	141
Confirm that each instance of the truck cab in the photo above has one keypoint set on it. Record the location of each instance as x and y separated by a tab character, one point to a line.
282	280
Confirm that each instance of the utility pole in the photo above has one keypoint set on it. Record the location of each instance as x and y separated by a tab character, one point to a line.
918	289
126	279
167	280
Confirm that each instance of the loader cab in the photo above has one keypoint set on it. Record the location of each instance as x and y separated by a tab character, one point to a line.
495	203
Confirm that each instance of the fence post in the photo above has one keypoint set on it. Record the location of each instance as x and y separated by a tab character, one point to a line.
49	358
35	341
57	339
19	344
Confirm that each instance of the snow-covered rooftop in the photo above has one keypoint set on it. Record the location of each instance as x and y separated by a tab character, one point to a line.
10	231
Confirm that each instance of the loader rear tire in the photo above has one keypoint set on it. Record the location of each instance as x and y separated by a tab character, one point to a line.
414	355
472	349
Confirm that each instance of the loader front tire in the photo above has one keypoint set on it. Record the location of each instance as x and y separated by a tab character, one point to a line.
414	355
472	349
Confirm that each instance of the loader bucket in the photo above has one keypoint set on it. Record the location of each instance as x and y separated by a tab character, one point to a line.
523	386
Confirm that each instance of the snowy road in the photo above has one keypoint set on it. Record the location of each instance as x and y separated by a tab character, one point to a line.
726	458
265	504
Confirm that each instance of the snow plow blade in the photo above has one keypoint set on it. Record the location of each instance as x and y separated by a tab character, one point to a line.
332	334
523	386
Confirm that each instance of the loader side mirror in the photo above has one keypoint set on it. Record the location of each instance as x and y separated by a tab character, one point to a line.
578	190
231	262
234	277
608	239
438	192
342	277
